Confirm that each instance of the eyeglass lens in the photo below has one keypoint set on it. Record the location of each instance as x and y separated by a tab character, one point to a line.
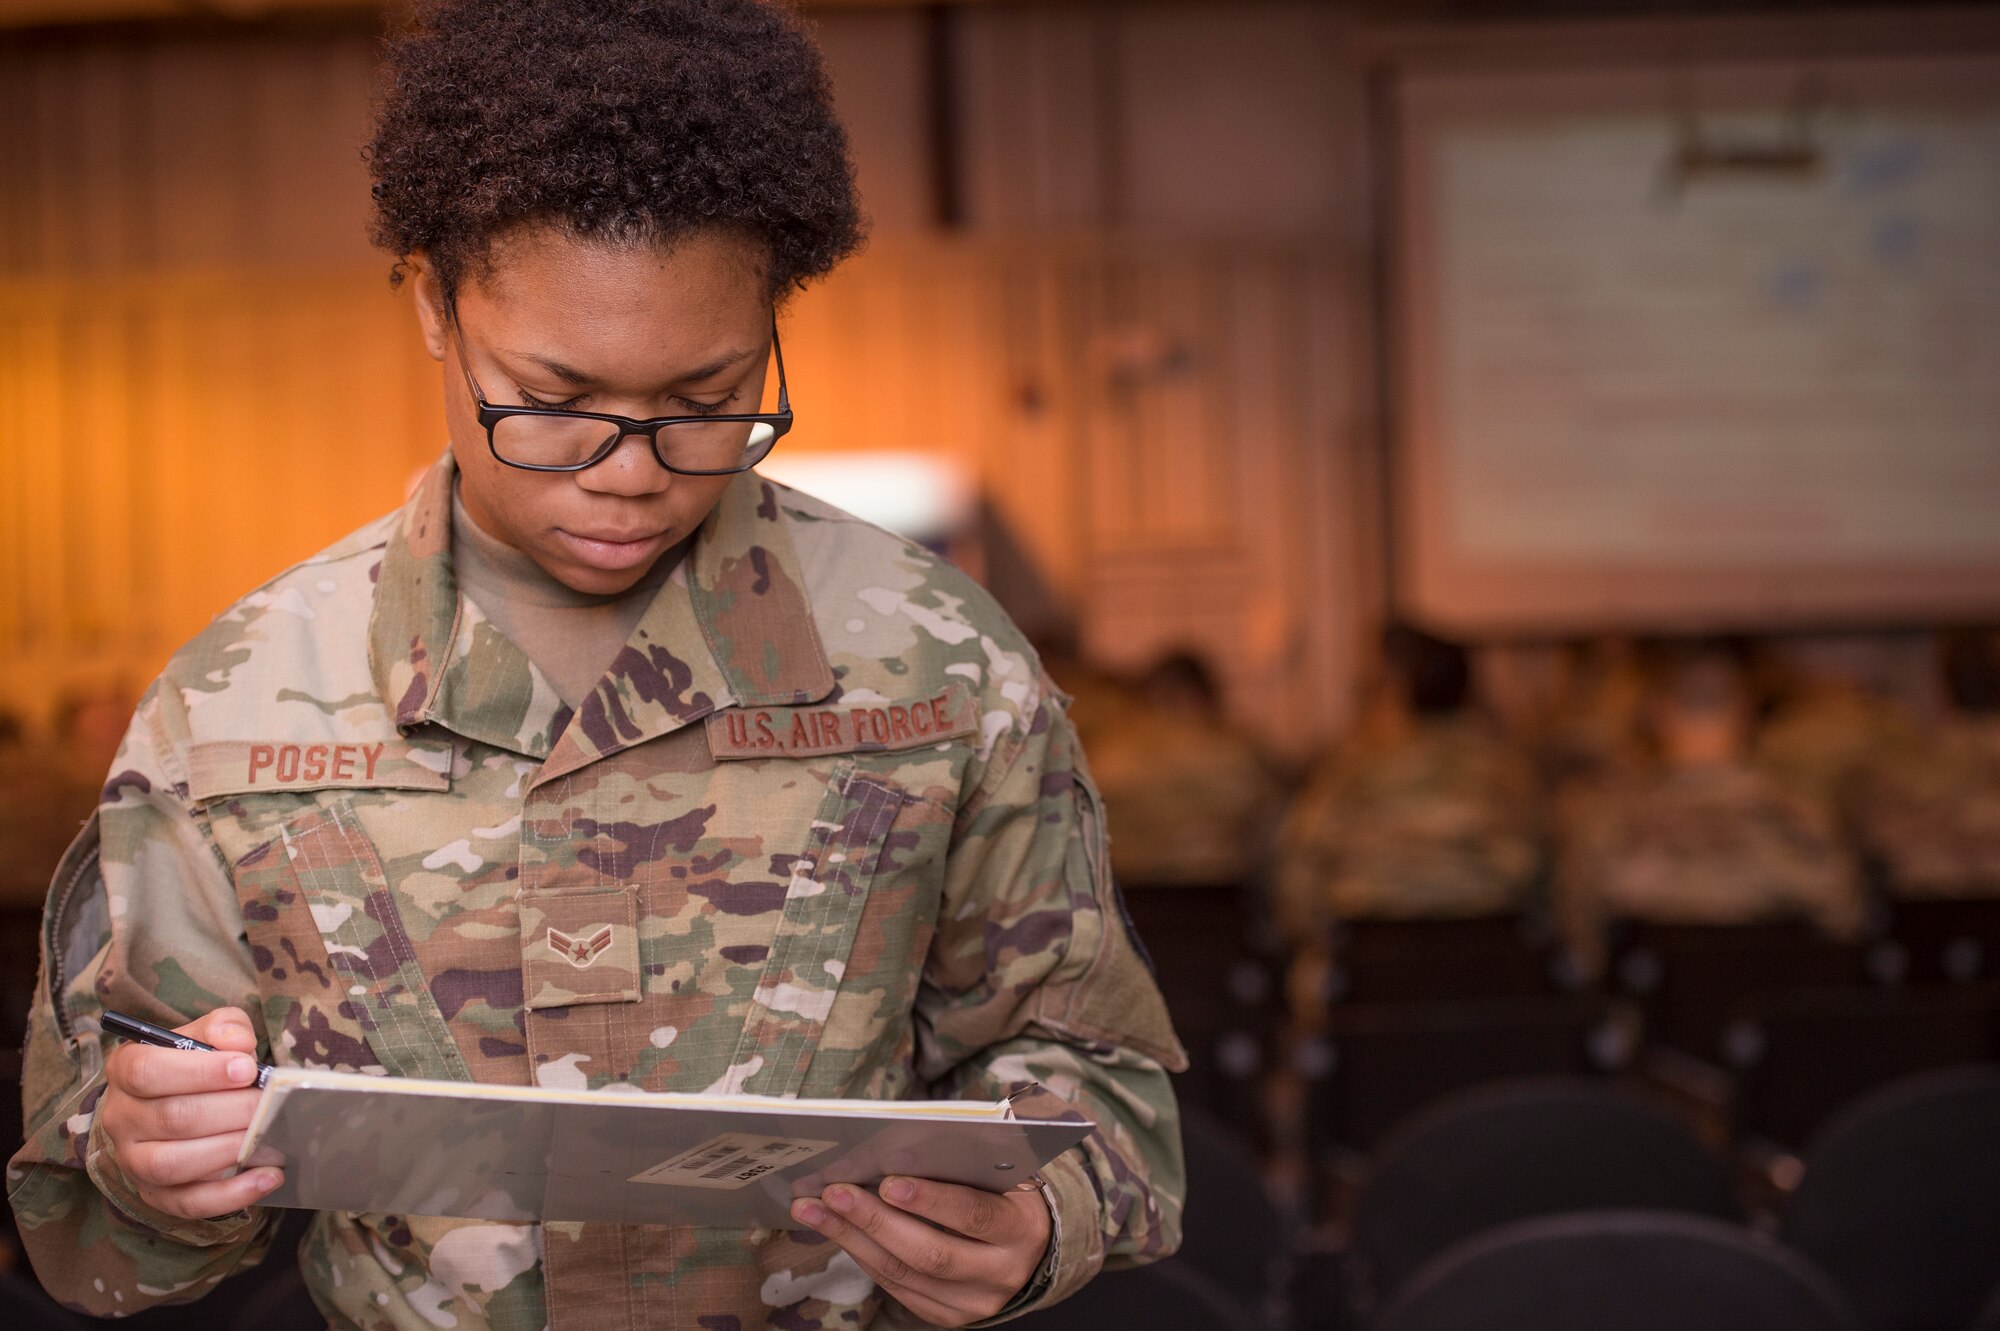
565	441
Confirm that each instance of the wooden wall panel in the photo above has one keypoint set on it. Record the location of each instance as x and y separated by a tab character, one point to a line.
1141	417
1219	478
1162	425
878	61
144	152
169	443
1032	99
1228	117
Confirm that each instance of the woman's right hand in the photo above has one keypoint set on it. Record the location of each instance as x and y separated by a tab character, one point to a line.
176	1118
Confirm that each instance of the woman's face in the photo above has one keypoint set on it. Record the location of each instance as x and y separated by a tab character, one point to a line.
630	329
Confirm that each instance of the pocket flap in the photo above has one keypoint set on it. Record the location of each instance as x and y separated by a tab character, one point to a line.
580	947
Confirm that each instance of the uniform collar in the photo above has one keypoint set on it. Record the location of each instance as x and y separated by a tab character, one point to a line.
732	625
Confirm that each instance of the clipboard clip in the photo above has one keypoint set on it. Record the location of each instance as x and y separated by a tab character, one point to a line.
1012	1096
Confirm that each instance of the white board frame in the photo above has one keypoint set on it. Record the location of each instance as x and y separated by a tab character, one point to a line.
1437	582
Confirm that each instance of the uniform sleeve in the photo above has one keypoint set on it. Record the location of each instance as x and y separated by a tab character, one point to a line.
1033	976
141	918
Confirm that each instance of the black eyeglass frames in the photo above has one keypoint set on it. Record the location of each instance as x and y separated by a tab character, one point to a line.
555	439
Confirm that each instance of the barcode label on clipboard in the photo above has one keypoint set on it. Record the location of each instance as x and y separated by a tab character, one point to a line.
733	1160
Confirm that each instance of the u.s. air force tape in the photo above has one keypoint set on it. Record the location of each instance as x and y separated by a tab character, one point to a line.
805	732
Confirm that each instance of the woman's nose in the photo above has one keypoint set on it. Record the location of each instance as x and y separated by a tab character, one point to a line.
632	469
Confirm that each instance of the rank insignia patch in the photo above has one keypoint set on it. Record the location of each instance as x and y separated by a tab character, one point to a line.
579	946
580	952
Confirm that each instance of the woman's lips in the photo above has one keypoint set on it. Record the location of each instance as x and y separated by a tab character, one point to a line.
599	552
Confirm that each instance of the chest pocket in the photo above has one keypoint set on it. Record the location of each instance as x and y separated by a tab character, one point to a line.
824	902
340	973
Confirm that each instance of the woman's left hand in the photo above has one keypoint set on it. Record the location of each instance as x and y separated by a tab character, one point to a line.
950	1254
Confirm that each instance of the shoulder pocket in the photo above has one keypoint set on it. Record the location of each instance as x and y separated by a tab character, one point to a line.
1116	999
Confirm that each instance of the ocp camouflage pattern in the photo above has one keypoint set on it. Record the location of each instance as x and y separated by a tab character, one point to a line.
1721	843
1928	811
354	809
1442	821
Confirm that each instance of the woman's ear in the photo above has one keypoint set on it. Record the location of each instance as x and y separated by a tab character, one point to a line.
432	316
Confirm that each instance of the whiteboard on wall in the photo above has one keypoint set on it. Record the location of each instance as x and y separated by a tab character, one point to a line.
1737	398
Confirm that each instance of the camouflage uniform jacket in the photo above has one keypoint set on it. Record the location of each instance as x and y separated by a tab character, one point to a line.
1929	811
1725	843
1442	823
825	796
1190	796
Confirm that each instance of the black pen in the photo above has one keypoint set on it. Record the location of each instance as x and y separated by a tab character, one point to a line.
145	1032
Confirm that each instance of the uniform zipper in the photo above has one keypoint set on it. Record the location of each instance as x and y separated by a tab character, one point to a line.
58	929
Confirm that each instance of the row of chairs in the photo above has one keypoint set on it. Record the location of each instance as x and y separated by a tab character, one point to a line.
1781	1023
1898	1200
1583	1271
1792	1058
1685	974
1558	1204
1634	1270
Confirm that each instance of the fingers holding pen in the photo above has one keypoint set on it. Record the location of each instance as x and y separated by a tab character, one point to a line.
176	1118
182	1117
147	1073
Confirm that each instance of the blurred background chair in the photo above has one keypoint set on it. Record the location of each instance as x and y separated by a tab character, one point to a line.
1946	940
1379	1062
1495	956
1900	1201
1232	1232
1631	1270
1213	961
1687	977
1513	1151
1799	1057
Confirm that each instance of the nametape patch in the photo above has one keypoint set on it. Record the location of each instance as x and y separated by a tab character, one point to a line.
806	732
243	767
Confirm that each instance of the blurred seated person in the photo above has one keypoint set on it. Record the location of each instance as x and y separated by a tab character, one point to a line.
1188	798
1595	722
1929	811
1695	831
1100	700
1833	714
1523	686
1423	812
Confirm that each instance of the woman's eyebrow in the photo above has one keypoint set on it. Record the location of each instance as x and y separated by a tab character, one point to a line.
566	373
569	374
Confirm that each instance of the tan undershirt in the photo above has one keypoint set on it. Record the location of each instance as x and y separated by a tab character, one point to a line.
571	636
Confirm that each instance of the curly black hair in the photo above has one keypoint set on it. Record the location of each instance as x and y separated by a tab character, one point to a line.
634	120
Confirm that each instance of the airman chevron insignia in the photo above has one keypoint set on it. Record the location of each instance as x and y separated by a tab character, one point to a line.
580	952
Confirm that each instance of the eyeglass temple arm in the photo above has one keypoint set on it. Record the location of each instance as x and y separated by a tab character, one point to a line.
778	353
